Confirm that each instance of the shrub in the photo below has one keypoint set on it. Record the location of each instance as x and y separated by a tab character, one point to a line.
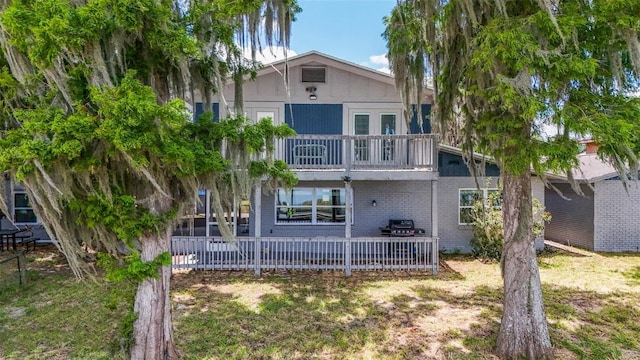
488	228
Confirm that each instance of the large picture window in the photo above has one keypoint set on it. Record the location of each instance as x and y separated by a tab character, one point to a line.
468	197
311	206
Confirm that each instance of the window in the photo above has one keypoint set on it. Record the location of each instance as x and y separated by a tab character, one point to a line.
22	210
265	114
468	197
361	146
388	127
311	206
314	75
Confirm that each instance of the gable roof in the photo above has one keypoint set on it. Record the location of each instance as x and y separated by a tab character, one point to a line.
318	58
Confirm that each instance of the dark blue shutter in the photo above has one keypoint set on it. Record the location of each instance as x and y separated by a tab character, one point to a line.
199	110
426	120
314	118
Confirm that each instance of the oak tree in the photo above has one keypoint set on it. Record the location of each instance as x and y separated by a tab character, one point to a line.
96	127
513	70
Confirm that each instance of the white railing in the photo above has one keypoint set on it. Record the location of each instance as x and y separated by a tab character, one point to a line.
306	253
359	152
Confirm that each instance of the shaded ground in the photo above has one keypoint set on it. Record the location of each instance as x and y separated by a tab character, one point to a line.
591	304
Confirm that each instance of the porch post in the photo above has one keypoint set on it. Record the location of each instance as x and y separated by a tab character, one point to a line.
347	226
434	208
435	248
207	213
257	220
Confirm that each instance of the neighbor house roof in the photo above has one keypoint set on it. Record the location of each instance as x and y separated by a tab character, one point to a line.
592	169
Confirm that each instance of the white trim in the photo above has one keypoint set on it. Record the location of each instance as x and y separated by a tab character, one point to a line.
484	192
15	208
314	208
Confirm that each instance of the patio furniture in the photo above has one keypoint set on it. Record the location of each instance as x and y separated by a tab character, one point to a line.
310	154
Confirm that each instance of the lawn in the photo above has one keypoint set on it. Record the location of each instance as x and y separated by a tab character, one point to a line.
591	303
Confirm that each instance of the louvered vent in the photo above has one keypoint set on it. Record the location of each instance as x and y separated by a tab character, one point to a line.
314	75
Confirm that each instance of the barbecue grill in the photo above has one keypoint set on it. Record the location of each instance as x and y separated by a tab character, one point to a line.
401	228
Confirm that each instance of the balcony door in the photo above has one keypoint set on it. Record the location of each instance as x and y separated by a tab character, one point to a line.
361	147
388	143
374	149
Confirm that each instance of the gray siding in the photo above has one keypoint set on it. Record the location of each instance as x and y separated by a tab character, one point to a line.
538	191
617	216
395	200
571	220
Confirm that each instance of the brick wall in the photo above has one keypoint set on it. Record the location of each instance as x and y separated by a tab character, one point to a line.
454	237
617	216
394	199
571	220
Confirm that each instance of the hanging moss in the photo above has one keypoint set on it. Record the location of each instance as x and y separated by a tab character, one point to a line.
97	130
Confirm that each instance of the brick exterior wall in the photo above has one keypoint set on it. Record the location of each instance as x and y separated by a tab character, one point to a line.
394	199
571	220
454	237
617	217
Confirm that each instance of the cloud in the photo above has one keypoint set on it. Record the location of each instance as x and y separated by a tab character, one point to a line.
273	54
385	70
379	59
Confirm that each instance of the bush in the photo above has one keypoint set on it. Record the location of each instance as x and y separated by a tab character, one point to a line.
488	228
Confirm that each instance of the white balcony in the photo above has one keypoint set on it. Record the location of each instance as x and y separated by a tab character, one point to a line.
359	152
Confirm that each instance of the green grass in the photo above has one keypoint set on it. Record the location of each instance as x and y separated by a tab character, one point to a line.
591	305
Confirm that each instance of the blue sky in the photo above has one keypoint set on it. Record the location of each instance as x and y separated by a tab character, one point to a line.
346	29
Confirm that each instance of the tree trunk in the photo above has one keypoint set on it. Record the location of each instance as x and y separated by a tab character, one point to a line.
153	328
523	330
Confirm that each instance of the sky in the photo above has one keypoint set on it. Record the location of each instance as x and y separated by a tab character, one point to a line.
347	29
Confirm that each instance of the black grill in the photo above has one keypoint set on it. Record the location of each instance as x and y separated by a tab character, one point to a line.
401	228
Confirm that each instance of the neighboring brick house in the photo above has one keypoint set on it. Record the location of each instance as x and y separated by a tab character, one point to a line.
606	218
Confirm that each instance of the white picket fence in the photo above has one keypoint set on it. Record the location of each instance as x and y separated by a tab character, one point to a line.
306	253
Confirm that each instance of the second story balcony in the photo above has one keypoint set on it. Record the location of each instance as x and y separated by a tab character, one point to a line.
354	153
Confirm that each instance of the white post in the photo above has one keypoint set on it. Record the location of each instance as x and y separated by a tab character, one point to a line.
434	227
434	208
347	226
207	212
257	220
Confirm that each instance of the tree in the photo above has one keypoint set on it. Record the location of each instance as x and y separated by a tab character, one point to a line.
513	69
95	128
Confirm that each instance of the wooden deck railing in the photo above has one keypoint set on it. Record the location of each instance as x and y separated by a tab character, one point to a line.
359	152
306	253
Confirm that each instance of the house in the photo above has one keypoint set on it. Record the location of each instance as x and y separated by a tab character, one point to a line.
360	165
606	218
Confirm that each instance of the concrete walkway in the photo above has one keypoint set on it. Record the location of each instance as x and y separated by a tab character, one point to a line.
571	249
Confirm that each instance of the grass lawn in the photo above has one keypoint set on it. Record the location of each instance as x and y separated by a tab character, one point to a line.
592	304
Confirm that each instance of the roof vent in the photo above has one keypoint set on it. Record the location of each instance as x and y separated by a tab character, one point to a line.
314	75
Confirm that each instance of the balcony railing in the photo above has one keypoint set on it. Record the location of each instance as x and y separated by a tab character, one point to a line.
359	152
